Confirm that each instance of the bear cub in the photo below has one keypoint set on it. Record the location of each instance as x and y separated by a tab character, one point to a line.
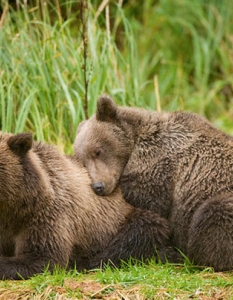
174	163
50	216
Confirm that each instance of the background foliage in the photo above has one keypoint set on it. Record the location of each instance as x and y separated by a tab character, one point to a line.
180	49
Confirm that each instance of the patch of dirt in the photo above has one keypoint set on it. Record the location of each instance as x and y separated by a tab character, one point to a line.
91	290
94	290
85	290
213	295
15	294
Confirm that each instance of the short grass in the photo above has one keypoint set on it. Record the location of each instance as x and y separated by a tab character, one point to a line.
152	281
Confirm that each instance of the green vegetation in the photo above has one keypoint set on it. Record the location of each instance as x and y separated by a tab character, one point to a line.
153	281
187	45
180	51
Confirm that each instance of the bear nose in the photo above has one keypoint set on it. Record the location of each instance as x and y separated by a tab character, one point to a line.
98	188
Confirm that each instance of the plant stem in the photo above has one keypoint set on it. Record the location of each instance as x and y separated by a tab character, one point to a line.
84	21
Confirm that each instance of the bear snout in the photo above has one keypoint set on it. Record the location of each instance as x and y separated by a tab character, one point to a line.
99	188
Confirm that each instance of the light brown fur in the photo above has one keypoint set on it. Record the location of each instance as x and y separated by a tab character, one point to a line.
176	164
50	215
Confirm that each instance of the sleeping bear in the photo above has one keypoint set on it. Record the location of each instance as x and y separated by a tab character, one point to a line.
173	163
50	216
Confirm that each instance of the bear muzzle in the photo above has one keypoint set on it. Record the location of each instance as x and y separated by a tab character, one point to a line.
99	188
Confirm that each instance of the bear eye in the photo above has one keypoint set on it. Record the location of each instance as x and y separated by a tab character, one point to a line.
97	153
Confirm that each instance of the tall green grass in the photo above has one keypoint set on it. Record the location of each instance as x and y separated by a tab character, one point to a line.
41	78
187	45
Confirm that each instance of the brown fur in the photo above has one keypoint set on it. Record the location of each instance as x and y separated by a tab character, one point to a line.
176	164
50	215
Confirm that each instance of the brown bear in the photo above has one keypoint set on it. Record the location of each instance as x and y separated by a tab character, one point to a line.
176	164
49	215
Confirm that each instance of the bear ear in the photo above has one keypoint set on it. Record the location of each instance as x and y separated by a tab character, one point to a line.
20	143
106	109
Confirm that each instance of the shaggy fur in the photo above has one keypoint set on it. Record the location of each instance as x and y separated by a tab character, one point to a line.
49	215
176	164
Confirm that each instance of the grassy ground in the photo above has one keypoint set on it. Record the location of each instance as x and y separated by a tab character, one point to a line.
173	54
131	282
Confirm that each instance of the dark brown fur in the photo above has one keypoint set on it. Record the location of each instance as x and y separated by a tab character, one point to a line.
176	164
50	215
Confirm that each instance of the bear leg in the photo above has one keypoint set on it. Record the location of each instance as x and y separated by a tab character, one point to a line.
211	234
144	235
23	267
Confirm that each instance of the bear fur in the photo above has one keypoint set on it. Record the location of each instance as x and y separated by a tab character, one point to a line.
176	164
50	216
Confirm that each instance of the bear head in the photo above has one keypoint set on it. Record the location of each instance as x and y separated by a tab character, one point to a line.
104	144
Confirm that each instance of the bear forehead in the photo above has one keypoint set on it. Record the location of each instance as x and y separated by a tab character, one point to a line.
98	131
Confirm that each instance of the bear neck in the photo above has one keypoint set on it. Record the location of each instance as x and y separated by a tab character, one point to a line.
137	121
